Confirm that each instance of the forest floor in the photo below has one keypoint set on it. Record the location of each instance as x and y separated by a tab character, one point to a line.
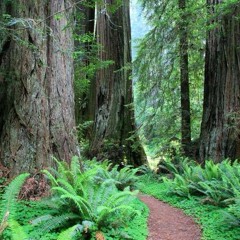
168	223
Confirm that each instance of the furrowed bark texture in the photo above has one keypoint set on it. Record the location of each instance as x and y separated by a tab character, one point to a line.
37	74
114	115
220	136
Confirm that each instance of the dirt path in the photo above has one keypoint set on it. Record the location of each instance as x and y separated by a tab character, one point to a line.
169	223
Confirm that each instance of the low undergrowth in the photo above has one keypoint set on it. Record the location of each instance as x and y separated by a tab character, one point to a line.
92	201
210	217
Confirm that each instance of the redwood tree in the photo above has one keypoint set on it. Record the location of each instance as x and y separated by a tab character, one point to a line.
114	134
220	136
36	82
184	79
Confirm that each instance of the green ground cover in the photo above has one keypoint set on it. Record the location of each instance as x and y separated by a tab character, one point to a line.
208	216
94	203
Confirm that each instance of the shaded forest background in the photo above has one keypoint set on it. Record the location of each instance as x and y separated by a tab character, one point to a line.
185	79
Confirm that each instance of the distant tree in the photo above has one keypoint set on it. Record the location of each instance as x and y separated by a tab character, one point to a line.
86	60
114	131
169	71
36	82
184	78
221	114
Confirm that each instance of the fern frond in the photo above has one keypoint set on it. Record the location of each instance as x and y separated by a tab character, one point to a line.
11	193
41	219
17	231
105	212
69	233
50	176
87	175
62	170
81	202
53	202
65	185
106	164
117	198
98	196
75	166
57	221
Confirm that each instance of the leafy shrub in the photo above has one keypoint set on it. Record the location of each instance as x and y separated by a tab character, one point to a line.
122	178
186	177
76	192
210	217
80	207
232	179
232	214
218	182
226	183
177	165
105	172
177	186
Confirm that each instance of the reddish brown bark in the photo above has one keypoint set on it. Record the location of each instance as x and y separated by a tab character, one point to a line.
220	136
37	74
114	116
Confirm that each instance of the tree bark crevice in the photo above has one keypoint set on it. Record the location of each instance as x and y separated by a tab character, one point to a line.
39	119
114	119
221	115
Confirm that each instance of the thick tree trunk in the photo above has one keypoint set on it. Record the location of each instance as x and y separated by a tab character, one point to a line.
114	126
37	73
184	79
220	136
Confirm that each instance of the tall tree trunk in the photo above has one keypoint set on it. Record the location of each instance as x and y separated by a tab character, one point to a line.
184	79
85	25
37	72
220	136
114	129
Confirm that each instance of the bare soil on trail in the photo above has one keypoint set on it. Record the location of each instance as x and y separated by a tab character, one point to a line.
168	223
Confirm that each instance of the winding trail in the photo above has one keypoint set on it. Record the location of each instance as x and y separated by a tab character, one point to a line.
168	223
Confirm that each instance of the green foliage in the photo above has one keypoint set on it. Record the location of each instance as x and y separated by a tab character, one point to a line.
71	232
122	178
10	196
218	183
178	186
18	232
86	64
173	163
107	204
157	85
84	199
232	214
80	206
136	228
209	216
8	207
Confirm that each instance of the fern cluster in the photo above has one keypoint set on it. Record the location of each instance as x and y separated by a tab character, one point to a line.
87	200
218	182
121	177
84	204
